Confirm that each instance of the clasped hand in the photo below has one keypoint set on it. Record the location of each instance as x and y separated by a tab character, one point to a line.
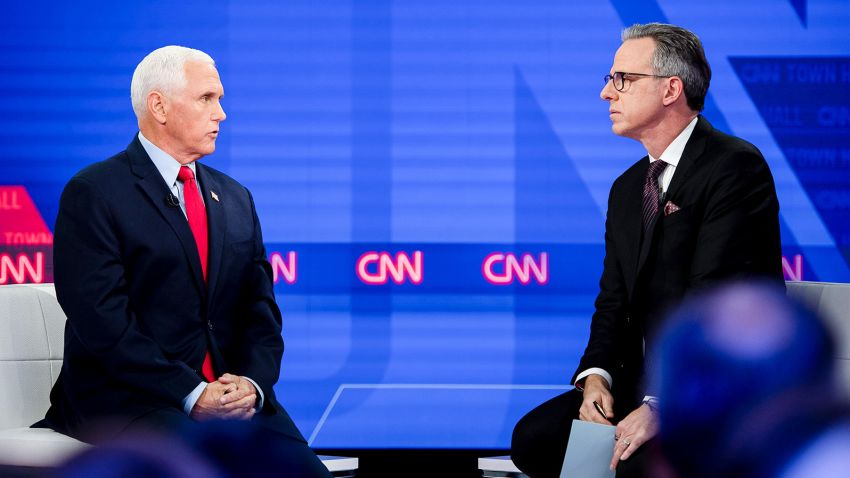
231	397
632	431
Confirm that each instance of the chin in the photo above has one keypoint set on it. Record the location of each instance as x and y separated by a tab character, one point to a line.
208	149
620	130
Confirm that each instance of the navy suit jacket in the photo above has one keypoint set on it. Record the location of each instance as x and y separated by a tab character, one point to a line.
727	228
140	316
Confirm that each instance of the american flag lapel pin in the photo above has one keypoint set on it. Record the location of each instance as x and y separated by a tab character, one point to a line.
214	196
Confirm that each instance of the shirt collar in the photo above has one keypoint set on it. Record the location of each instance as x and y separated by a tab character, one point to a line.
673	153
167	166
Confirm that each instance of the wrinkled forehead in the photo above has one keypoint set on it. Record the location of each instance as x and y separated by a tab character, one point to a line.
201	76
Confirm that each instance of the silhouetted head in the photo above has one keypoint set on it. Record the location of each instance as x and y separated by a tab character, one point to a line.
724	355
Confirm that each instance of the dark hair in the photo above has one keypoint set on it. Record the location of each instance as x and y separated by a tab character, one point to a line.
678	52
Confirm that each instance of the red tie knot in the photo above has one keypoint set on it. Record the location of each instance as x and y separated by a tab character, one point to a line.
185	174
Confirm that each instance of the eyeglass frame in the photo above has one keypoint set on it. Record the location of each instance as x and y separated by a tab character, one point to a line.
623	78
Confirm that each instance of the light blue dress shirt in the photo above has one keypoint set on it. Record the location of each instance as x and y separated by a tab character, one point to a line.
169	167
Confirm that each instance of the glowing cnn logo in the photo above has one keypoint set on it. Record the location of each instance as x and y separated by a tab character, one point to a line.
375	268
513	269
793	268
287	268
24	267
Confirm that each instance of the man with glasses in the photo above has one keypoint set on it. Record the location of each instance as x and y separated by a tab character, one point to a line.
700	208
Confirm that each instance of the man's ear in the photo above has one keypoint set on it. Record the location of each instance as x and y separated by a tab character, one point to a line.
675	89
157	106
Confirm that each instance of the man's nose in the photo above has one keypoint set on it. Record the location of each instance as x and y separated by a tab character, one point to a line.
608	92
219	114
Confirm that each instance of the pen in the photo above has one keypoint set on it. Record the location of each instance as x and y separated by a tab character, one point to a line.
600	409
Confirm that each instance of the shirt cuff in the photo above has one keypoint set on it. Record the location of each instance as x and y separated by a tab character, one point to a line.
191	399
597	371
261	398
651	402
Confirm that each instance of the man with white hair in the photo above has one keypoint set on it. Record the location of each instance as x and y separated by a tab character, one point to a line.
161	270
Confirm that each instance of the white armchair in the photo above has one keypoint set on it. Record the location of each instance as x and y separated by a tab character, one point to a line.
831	301
31	344
32	341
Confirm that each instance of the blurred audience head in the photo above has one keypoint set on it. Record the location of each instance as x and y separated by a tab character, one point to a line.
732	365
786	435
214	449
243	448
825	457
141	455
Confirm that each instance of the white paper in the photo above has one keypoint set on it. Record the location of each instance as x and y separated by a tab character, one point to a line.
589	451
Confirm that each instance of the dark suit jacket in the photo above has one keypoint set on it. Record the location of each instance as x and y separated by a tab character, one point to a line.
140	317
727	227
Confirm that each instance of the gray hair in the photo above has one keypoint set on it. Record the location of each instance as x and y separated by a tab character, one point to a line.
678	52
162	70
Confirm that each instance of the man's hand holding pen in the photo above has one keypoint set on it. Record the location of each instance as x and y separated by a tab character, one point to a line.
598	403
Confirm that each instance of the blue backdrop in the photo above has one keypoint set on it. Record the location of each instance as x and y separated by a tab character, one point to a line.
459	129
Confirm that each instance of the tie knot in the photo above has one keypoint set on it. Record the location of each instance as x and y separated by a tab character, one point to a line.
185	174
654	171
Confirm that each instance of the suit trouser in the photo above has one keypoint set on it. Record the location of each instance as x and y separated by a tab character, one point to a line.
236	448
540	440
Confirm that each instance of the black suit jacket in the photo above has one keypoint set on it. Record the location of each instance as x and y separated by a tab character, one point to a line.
727	227
140	316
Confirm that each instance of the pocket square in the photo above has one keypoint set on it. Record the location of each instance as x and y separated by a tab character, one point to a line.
670	208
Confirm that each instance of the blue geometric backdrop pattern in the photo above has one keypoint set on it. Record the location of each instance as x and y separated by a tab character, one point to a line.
457	128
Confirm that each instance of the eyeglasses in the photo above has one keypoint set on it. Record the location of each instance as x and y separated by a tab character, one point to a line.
619	78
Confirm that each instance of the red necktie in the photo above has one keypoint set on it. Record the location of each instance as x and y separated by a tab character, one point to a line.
197	216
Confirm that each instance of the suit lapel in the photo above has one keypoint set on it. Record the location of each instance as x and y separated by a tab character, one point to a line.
646	241
693	150
153	186
647	233
216	223
634	225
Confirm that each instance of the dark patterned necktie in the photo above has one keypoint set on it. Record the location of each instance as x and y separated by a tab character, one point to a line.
650	192
197	216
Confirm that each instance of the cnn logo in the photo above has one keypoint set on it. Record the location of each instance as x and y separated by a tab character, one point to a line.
503	269
377	268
